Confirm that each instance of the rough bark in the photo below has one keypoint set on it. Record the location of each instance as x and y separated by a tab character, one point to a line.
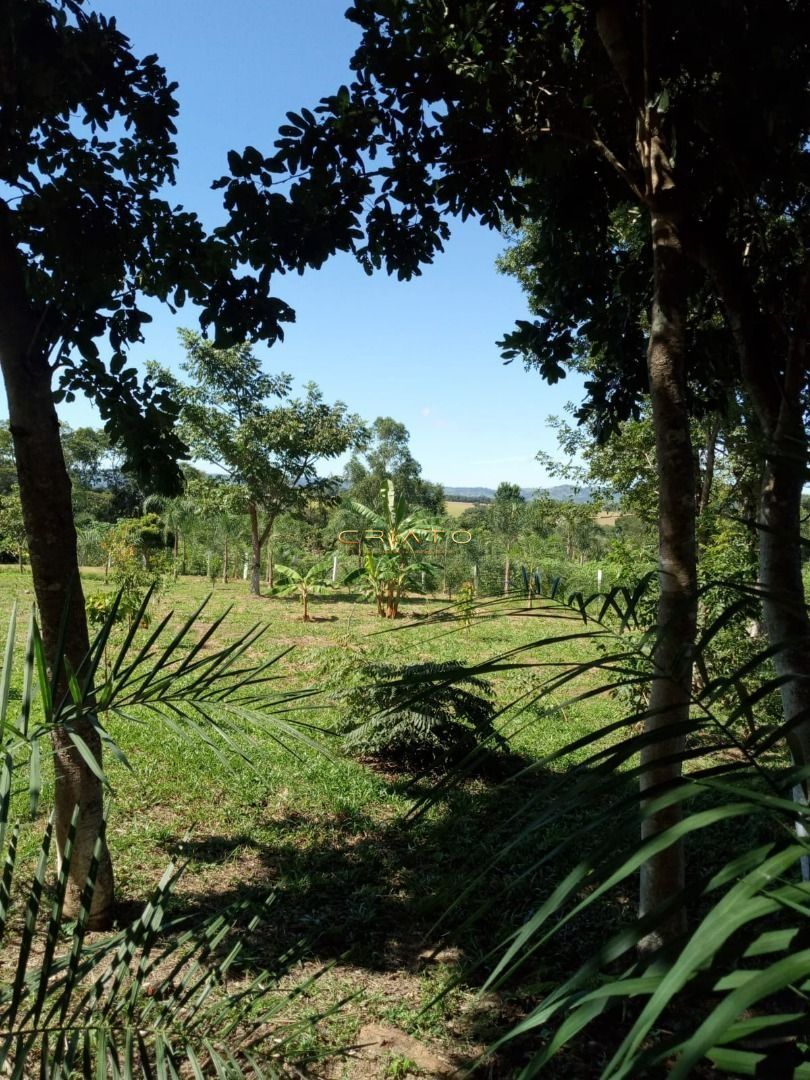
780	572
45	494
663	875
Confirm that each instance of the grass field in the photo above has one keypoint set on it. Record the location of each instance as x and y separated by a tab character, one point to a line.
328	836
456	508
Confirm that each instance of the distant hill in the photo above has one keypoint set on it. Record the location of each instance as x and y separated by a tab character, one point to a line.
561	492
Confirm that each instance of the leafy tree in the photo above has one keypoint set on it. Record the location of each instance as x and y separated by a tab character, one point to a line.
8	466
85	451
220	508
387	456
87	149
12	526
506	517
177	514
569	114
271	452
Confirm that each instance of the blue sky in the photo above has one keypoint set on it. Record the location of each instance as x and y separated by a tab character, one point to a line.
423	351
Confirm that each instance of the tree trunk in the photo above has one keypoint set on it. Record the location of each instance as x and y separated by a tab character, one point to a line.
256	551
776	390
45	494
270	564
663	875
780	573
305	600
708	469
225	562
628	43
506	578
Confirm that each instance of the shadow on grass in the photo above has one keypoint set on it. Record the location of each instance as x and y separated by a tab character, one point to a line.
379	891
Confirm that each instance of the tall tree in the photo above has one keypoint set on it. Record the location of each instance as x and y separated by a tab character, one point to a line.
506	516
272	452
86	146
387	456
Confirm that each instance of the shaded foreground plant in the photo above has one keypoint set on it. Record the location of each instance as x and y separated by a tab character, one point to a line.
164	996
219	695
414	714
733	988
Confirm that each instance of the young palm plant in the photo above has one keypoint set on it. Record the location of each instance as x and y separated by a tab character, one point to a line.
165	996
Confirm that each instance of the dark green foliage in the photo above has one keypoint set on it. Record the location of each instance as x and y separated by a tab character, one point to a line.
150	999
415	714
732	989
87	149
386	456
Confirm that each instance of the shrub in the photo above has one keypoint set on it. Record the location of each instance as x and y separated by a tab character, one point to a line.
416	714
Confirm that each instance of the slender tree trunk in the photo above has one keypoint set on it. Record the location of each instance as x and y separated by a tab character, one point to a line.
506	577
45	493
708	469
225	562
776	389
270	563
663	875
629	43
256	551
305	599
780	573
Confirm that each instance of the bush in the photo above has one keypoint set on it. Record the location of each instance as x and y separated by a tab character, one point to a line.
409	715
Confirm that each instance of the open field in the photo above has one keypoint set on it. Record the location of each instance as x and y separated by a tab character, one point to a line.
327	835
606	518
456	508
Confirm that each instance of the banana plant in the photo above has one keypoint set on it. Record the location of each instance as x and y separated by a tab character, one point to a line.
397	565
313	582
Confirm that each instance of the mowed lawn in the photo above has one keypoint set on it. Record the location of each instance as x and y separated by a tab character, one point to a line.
361	884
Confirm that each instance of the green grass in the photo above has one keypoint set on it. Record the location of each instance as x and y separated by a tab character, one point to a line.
328	835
